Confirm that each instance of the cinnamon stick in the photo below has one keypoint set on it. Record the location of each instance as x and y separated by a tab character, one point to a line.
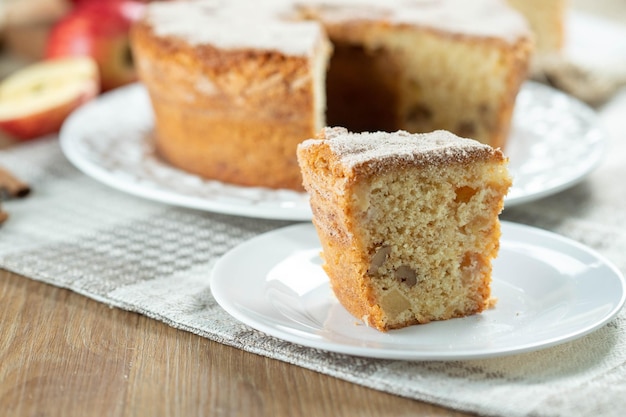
12	187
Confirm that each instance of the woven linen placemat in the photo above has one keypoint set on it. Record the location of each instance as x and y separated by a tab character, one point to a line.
155	259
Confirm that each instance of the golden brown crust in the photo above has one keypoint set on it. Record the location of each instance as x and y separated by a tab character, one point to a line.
234	116
519	62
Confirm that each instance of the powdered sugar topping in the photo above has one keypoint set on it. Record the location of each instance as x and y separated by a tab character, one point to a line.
278	24
484	18
355	149
233	24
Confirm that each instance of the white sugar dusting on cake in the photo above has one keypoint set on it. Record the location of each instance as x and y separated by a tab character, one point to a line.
378	148
488	18
277	24
235	24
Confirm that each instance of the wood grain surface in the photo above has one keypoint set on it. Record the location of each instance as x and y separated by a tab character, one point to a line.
62	354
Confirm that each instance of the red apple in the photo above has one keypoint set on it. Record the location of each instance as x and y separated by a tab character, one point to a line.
99	29
35	100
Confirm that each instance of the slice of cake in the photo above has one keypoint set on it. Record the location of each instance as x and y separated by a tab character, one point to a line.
546	19
408	222
547	22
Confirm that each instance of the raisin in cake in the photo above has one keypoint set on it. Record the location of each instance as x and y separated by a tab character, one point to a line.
408	222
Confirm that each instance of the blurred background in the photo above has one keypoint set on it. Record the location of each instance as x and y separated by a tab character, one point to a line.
27	27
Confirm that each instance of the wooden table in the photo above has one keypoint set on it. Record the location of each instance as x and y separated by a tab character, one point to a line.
62	354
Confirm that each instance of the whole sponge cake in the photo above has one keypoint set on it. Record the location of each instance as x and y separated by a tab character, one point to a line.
408	222
236	87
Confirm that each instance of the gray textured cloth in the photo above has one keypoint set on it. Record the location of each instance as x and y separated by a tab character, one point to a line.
155	259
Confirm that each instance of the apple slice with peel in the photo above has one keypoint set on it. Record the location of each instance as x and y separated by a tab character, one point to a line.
35	100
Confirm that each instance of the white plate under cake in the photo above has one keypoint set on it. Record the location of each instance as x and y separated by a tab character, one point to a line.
555	142
550	290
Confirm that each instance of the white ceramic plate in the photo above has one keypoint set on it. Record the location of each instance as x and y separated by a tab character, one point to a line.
550	290
555	142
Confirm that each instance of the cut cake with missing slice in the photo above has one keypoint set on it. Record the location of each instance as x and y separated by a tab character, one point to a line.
408	222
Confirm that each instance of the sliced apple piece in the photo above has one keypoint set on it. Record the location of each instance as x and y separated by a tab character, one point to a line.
35	100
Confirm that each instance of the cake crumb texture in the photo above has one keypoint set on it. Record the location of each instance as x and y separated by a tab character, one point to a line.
408	228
